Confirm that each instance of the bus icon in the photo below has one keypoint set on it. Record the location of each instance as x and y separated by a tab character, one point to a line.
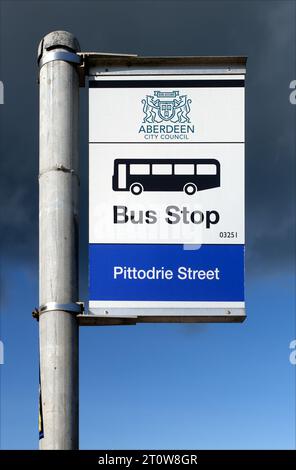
187	174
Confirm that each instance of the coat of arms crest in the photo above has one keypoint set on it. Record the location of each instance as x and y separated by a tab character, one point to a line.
166	106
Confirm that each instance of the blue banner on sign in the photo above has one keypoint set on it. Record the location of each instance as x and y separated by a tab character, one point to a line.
166	272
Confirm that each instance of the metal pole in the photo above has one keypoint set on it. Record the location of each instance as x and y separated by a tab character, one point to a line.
58	243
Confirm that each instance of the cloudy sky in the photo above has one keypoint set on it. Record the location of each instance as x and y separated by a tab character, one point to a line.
223	386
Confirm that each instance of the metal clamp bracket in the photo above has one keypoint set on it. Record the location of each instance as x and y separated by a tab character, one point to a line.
59	55
72	307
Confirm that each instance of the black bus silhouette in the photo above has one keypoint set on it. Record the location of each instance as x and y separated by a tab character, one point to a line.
187	174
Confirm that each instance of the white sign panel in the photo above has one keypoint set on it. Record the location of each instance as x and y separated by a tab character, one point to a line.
190	109
166	202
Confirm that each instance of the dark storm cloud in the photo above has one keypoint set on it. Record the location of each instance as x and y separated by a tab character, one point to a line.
264	31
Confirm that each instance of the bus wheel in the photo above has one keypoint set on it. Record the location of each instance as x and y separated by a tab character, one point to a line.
190	189
136	189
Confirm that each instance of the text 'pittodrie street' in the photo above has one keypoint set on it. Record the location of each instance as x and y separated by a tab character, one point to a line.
182	273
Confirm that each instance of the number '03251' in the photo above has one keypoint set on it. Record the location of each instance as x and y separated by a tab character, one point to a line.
228	234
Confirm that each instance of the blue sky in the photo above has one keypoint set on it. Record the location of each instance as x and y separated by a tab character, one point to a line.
159	386
163	386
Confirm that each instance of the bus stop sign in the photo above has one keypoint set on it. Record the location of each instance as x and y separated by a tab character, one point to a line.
166	189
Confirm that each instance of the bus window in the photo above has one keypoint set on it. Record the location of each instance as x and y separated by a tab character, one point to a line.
162	169
138	169
206	169
184	169
122	176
